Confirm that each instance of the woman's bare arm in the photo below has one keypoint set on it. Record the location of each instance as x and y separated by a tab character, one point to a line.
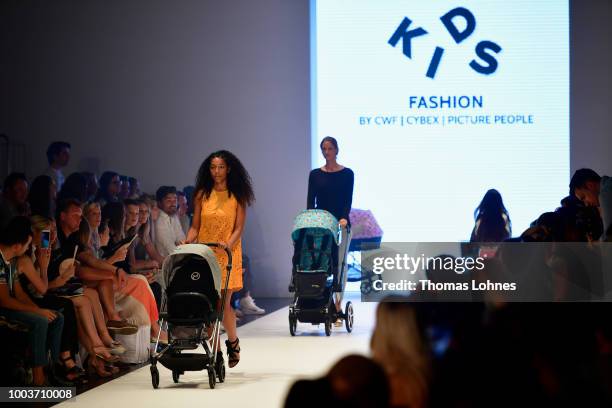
27	267
192	234
238	226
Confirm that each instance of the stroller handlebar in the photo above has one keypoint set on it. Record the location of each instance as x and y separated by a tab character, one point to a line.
227	251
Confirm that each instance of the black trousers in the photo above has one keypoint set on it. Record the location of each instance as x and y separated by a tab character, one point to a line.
70	340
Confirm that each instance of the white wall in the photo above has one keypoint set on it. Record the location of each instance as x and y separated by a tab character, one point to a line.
149	88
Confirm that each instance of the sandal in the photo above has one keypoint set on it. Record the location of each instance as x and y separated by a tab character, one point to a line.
104	354
73	374
96	366
116	348
233	348
112	368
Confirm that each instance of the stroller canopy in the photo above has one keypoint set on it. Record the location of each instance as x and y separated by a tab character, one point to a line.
316	219
364	224
190	250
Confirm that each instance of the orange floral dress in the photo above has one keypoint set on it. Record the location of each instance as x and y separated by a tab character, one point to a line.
217	221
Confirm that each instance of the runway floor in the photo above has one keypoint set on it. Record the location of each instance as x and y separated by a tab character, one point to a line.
271	360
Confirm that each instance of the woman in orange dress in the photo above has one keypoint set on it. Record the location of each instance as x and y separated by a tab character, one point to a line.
222	193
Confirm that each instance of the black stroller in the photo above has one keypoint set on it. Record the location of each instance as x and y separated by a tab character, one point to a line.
192	289
316	275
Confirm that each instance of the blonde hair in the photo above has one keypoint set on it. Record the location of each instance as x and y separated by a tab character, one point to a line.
40	223
84	234
398	345
87	207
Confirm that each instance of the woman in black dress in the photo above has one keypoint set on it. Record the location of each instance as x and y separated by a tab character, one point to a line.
330	188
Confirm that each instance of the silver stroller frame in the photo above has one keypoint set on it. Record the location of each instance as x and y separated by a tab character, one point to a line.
213	370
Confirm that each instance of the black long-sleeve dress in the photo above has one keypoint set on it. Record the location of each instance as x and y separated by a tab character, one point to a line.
331	191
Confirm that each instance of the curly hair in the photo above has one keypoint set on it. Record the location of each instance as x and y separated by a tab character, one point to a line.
238	180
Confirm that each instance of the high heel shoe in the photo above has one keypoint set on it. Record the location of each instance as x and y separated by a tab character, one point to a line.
233	350
96	366
73	374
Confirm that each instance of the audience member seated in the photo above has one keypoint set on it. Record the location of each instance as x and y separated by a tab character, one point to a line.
14	201
594	191
45	326
133	228
134	188
354	381
75	187
47	290
312	393
93	215
168	230
92	185
398	345
58	156
358	381
138	252
189	191
152	203
154	211
113	213
145	249
136	298
16	371
124	193
32	271
492	219
578	224
545	229
98	275
42	197
183	208
110	186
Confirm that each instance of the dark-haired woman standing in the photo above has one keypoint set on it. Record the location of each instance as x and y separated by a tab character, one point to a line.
330	188
492	219
222	193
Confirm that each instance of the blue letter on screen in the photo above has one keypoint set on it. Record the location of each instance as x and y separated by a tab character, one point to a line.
481	49
405	35
447	20
435	61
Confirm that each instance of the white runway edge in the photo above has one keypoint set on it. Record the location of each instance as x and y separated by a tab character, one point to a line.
271	360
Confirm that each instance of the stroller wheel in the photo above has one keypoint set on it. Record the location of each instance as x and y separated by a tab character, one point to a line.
292	323
328	326
348	317
365	287
221	372
154	377
175	376
220	367
211	377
